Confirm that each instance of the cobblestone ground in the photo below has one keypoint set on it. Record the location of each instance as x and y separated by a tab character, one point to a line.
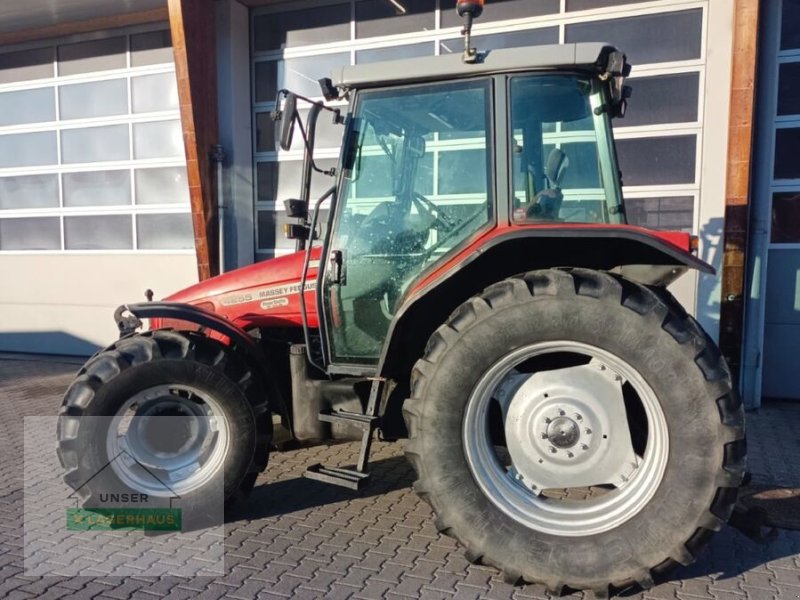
302	539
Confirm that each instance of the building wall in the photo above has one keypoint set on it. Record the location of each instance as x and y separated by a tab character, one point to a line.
772	309
672	145
94	202
64	303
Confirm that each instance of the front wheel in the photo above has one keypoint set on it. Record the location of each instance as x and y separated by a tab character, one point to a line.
165	416
573	428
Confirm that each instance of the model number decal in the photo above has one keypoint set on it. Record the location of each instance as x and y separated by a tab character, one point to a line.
265	295
275	303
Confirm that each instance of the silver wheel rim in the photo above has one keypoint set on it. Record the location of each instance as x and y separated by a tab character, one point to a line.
546	405
168	440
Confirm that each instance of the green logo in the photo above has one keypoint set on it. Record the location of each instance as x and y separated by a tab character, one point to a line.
105	519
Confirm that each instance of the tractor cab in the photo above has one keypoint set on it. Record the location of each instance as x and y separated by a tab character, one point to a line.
441	151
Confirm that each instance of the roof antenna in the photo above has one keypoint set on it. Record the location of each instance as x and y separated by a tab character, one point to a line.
469	10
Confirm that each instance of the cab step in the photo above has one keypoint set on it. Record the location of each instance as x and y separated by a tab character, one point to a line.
349	478
341	417
353	479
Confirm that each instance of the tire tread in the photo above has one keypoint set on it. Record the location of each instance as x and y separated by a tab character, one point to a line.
604	287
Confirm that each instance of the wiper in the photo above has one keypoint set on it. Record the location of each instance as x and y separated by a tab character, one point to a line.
385	147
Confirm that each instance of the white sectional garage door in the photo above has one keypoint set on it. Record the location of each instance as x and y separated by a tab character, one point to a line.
94	202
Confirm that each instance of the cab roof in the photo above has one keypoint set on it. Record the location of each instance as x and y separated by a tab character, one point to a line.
583	56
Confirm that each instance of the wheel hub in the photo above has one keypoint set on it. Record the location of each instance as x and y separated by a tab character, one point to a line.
563	432
165	428
568	428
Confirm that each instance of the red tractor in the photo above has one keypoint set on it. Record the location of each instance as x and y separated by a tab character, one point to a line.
474	288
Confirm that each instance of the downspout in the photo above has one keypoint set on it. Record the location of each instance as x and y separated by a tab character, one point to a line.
218	157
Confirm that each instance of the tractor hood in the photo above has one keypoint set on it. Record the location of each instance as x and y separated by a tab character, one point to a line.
264	294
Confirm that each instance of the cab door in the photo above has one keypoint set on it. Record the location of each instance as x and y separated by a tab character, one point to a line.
418	185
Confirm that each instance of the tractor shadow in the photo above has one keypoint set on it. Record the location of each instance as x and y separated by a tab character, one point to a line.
774	460
272	499
729	554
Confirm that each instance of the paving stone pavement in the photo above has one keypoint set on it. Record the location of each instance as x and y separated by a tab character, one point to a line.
297	538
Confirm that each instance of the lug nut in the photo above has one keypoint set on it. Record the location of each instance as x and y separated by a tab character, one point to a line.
561	412
588	431
547	419
544	435
584	447
570	455
578	417
553	450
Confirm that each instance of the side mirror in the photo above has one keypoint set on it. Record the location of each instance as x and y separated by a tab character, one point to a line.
287	118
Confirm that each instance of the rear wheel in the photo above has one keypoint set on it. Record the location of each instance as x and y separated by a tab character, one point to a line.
573	429
165	414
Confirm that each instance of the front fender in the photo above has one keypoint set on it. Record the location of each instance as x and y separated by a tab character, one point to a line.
236	336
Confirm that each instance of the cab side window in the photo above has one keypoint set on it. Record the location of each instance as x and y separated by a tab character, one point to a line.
556	166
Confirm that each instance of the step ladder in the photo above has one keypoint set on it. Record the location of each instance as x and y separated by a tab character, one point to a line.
353	479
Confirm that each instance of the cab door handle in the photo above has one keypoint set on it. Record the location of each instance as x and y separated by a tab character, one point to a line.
336	271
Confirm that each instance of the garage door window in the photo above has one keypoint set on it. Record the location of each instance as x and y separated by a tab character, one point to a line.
91	148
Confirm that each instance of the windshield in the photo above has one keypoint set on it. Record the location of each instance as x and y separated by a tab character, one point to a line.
564	167
416	183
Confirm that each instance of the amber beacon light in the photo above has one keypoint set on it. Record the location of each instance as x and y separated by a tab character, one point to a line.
473	8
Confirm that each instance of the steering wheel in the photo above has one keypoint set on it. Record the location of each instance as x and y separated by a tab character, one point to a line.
385	230
439	220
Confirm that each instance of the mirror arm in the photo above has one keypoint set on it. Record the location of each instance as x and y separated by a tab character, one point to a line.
337	112
309	136
307	145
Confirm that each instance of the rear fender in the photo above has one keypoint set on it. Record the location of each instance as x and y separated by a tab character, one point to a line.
129	318
635	253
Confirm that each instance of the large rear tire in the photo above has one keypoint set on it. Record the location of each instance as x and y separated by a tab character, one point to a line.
210	456
573	428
